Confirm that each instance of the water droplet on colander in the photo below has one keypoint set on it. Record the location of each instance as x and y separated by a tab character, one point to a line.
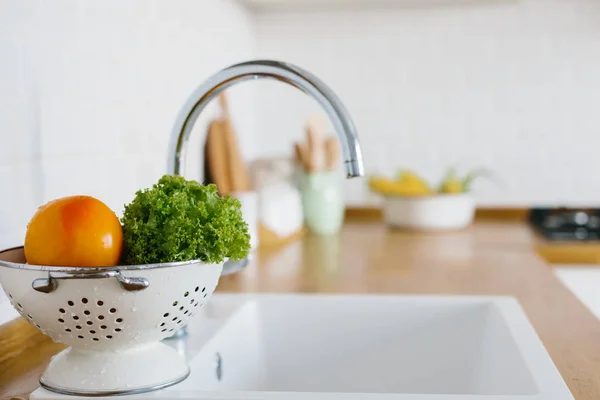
103	371
95	288
133	309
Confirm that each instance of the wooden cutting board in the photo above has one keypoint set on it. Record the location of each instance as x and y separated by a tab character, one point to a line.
216	165
239	179
224	165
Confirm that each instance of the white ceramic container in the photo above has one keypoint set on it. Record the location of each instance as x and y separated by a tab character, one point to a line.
432	213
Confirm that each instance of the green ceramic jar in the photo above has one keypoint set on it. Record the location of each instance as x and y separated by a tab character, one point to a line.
322	201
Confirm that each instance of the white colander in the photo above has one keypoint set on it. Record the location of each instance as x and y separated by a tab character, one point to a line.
112	318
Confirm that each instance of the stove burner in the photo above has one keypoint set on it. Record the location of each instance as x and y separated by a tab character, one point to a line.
567	225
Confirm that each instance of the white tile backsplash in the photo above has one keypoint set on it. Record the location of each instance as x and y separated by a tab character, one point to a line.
19	99
89	93
20	200
110	178
509	85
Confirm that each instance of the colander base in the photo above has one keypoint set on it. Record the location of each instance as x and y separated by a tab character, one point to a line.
85	373
70	392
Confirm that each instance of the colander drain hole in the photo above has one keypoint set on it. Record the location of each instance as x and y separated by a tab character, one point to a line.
32	322
176	319
87	320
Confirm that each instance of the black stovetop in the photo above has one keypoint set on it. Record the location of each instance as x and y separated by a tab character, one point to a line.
562	224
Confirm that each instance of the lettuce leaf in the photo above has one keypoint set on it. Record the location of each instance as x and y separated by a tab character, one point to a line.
181	220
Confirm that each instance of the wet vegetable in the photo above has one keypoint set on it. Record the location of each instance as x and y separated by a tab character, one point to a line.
181	220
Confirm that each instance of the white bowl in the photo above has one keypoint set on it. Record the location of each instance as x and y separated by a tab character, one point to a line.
437	212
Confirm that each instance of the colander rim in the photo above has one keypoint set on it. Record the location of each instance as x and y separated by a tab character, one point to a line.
57	268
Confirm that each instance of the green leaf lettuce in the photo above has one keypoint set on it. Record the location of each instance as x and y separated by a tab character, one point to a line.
181	220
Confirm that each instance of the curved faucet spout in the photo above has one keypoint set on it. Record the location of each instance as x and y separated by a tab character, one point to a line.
284	72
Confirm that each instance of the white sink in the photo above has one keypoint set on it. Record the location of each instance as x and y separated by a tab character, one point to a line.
357	347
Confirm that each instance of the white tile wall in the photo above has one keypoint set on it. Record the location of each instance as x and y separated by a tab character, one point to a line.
89	92
509	85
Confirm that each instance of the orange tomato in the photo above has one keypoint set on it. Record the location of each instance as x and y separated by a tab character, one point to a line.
78	231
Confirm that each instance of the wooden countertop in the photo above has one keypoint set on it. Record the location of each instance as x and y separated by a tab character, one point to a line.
491	258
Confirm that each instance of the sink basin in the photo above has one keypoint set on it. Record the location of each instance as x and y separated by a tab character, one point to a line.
358	346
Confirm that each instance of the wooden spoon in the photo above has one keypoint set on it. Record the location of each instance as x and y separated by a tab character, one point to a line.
315	137
303	155
332	153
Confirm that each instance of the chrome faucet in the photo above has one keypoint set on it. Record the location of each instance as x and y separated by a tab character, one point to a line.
284	72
